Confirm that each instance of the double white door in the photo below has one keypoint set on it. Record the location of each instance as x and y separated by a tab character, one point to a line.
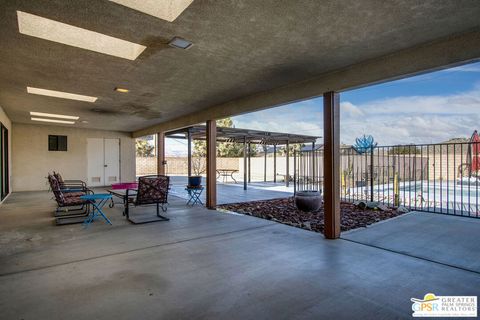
103	161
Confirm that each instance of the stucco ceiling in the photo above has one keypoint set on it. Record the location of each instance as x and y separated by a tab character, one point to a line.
241	47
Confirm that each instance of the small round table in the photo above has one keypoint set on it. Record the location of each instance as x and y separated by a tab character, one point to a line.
97	201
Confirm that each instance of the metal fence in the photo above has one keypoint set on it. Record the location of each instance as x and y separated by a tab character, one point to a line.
441	178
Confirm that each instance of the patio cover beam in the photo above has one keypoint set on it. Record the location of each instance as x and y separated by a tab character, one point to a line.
211	164
331	167
435	55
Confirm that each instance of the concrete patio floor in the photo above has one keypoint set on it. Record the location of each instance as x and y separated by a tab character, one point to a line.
201	265
441	238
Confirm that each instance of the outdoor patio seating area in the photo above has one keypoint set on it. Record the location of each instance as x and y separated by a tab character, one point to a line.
201	264
189	159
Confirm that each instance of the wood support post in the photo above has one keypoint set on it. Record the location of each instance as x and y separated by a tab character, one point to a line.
161	162
211	164
245	163
189	147
331	164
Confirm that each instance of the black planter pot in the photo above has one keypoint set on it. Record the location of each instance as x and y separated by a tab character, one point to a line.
195	181
308	200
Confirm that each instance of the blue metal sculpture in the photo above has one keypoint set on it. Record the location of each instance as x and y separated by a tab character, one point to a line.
364	144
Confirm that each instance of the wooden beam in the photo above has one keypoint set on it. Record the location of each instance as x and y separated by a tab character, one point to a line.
189	151
331	164
161	162
245	163
211	164
430	56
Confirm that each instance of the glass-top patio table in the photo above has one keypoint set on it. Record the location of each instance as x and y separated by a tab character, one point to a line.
225	173
97	201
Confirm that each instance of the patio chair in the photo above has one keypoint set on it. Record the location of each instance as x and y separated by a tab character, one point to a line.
68	190
70	207
69	184
152	190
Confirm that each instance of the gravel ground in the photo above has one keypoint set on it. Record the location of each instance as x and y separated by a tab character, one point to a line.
284	211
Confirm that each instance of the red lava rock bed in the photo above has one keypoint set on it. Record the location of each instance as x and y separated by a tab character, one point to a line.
284	211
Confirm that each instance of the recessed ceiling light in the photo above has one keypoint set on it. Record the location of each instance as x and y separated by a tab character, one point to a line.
180	43
84	121
53	115
164	9
53	120
61	94
122	90
52	30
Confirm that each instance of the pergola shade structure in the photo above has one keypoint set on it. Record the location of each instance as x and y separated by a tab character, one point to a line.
239	135
247	137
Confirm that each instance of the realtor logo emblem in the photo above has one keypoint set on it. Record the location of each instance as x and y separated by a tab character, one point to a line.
444	306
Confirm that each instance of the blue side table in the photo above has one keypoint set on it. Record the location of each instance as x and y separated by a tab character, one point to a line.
194	194
97	201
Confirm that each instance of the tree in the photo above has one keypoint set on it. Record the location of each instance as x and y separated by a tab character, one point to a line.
404	150
292	148
224	149
143	148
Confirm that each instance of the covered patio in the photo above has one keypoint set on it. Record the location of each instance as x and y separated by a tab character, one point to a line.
80	81
201	265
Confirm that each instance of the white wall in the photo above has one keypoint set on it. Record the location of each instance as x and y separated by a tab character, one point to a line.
8	124
32	161
257	167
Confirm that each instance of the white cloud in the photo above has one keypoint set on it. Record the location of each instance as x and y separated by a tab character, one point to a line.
414	119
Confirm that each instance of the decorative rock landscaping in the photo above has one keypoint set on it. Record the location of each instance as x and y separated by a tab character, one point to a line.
284	211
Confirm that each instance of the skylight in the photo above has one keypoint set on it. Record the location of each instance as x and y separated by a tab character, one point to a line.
61	94
52	30
164	9
53	115
53	120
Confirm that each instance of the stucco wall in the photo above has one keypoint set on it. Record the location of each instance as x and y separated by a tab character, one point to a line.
32	161
8	124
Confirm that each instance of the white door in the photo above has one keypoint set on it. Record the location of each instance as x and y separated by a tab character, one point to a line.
103	166
95	152
112	161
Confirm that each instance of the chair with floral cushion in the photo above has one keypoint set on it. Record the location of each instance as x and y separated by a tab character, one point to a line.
70	207
152	190
69	184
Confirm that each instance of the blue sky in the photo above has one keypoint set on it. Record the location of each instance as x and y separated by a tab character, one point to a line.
428	108
432	107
